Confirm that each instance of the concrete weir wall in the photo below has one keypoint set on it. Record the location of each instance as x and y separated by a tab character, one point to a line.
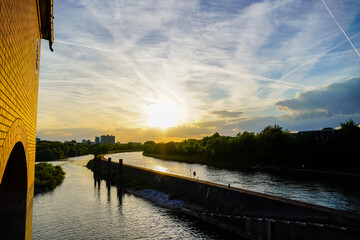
250	214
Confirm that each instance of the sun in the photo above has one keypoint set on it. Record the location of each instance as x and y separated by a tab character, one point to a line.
163	115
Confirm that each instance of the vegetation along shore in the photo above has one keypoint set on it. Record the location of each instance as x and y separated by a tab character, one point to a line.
47	177
50	151
271	148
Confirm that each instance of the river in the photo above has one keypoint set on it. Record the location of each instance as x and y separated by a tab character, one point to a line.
81	208
340	196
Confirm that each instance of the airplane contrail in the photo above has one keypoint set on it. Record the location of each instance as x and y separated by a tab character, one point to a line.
340	28
316	57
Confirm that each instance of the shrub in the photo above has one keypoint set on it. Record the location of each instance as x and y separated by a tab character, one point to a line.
47	177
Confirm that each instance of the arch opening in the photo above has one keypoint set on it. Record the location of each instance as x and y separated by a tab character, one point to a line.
13	195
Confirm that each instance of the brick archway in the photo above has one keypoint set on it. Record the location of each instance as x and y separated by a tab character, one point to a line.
13	195
16	133
16	183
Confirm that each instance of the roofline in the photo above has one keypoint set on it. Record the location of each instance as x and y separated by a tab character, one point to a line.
46	21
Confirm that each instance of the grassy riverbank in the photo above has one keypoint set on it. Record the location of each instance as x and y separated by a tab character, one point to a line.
47	177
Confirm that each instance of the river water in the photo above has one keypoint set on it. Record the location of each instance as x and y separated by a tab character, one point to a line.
81	208
342	197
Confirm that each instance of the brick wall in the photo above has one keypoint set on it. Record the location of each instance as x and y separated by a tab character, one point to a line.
19	42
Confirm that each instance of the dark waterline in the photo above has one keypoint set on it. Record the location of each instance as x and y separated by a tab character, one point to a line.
81	208
338	196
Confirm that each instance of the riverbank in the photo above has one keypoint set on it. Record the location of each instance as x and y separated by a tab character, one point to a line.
54	150
327	174
195	159
177	157
273	148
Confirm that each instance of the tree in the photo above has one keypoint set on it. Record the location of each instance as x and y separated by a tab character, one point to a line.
350	127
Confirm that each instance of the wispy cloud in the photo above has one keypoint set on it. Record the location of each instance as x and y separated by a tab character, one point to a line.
226	114
213	59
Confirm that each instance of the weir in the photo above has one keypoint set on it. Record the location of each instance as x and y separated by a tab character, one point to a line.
250	214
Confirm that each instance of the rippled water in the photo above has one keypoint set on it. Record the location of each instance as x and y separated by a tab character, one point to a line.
81	208
320	193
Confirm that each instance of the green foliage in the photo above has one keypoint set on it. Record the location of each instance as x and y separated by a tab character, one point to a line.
47	177
272	147
350	128
91	164
49	151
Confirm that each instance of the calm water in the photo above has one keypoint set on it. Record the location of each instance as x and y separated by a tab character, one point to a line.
320	193
82	209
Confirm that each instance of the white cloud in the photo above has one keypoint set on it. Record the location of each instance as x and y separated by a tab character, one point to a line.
113	59
329	100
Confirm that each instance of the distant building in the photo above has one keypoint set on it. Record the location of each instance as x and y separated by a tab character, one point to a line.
107	139
85	141
38	139
322	134
97	140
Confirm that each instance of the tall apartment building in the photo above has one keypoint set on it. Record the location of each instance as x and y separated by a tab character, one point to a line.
23	23
107	139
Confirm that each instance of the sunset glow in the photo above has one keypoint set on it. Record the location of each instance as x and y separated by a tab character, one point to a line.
163	115
164	70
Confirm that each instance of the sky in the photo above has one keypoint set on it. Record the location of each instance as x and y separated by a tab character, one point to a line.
169	70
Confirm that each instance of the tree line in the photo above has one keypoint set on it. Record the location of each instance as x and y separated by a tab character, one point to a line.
272	147
53	150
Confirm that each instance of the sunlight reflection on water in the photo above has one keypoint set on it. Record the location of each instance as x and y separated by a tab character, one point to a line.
320	193
160	169
82	208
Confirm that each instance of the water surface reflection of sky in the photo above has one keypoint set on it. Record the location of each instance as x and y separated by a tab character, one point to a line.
320	193
81	208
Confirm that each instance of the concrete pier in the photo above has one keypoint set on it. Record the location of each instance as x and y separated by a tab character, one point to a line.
109	170
120	173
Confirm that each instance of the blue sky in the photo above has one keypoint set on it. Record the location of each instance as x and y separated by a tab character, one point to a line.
168	70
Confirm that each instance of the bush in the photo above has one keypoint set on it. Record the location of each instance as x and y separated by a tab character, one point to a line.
47	177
